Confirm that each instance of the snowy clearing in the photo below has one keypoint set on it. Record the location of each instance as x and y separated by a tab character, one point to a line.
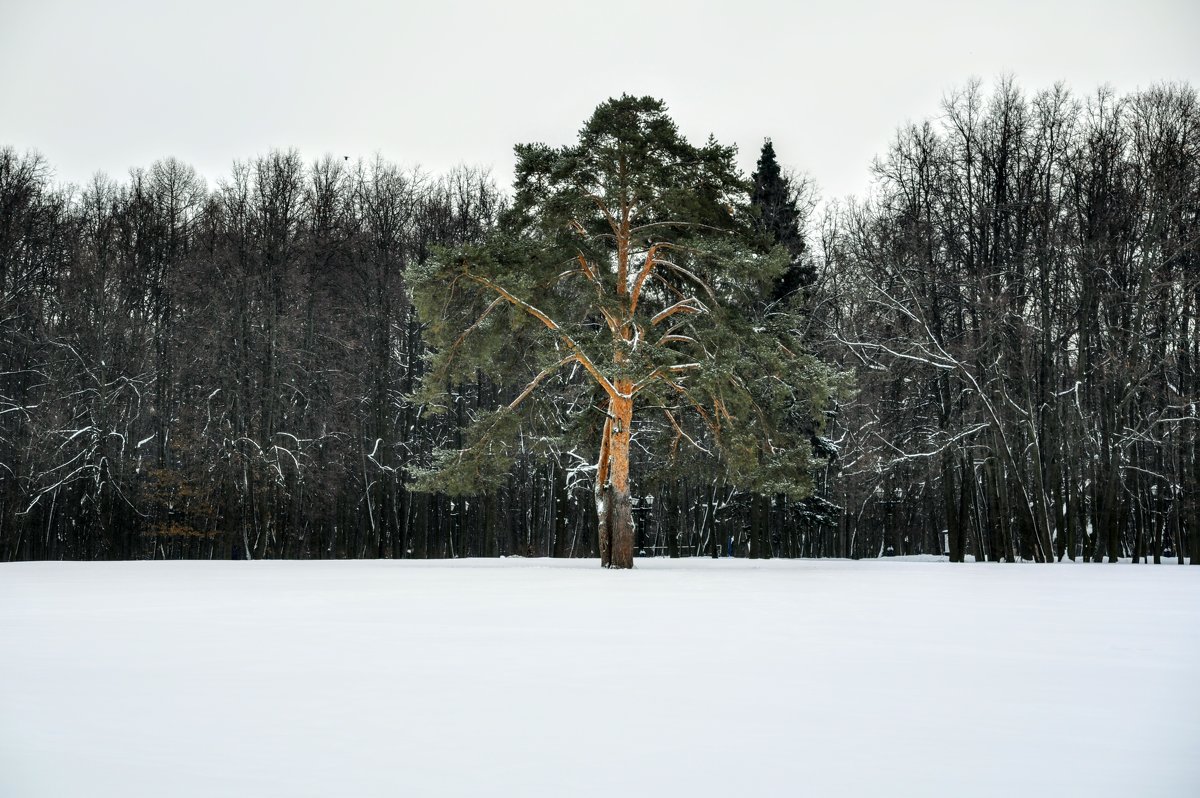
555	678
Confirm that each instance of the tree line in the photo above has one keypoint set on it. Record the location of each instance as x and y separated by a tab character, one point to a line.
240	371
1019	297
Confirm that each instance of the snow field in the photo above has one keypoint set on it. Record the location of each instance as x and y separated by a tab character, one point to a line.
556	678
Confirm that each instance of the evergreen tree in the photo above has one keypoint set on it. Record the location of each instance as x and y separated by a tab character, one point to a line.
616	292
773	198
777	220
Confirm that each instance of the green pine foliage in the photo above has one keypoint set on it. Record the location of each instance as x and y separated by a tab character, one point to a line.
718	384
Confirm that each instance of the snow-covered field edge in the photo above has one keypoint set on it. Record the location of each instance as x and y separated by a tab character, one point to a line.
553	677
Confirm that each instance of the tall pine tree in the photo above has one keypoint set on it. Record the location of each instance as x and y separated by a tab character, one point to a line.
620	292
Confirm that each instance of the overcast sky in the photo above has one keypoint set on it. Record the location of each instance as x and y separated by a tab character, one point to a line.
110	85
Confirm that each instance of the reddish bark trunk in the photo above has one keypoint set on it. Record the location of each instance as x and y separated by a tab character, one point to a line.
614	506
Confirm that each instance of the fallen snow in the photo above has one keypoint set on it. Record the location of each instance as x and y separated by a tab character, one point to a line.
555	678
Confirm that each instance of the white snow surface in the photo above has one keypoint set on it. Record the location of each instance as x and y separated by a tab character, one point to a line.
556	678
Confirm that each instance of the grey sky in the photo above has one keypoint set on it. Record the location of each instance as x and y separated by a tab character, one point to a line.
110	85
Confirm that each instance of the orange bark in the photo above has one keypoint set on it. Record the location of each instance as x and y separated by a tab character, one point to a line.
614	506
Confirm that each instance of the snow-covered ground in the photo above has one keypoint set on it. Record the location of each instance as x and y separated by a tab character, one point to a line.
555	678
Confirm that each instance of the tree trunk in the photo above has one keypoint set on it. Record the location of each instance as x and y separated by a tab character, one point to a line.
614	506
953	500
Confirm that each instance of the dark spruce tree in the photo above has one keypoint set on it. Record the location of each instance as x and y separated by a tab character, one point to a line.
614	299
777	219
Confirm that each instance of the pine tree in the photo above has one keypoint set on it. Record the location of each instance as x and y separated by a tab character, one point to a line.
773	198
616	291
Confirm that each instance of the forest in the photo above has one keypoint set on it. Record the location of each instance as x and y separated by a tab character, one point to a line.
1003	329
